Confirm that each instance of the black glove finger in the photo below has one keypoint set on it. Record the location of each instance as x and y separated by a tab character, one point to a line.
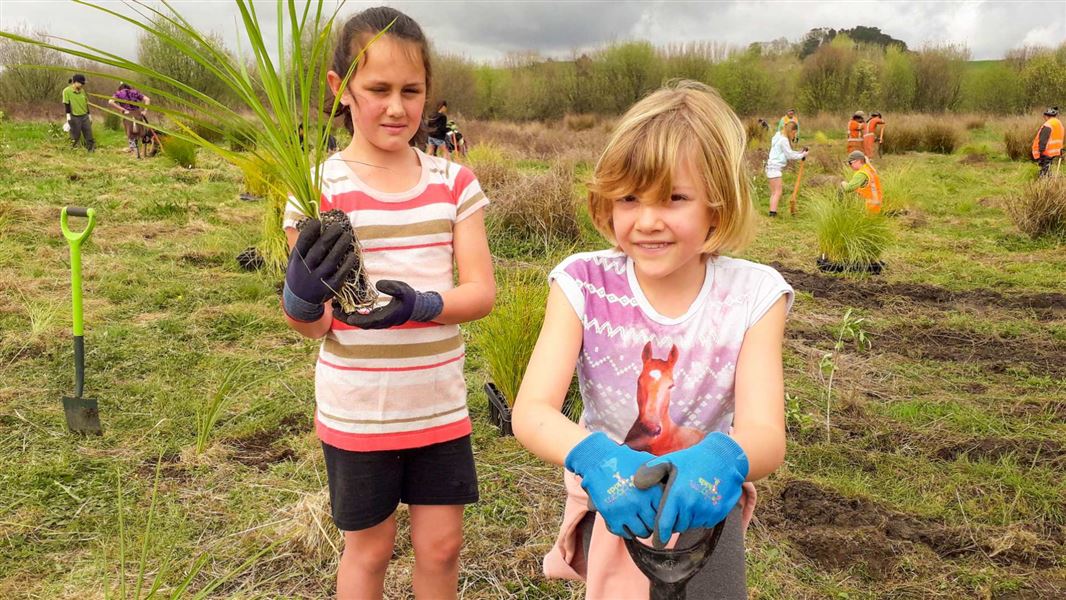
308	236
396	289
338	278
647	477
329	265
378	318
322	246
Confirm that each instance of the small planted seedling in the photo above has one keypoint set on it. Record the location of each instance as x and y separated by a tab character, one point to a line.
850	239
850	330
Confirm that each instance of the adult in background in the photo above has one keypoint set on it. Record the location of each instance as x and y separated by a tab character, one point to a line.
438	131
866	181
134	121
872	134
1047	145
790	117
76	103
855	131
780	153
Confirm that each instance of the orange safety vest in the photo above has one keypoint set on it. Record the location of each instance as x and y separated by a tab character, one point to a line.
1054	142
854	135
871	191
870	131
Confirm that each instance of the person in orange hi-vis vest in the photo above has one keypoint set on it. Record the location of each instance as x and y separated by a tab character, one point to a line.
866	181
871	136
855	131
1047	145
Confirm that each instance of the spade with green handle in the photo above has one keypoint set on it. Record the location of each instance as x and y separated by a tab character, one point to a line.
83	414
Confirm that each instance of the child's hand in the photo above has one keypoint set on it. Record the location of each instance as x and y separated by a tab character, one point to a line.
406	305
606	470
315	270
706	487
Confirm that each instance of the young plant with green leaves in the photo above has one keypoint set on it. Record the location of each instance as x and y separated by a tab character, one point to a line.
506	337
210	410
850	330
281	87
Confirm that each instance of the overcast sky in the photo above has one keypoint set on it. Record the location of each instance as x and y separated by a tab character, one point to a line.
488	30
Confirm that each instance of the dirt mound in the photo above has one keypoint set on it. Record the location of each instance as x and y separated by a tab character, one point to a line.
838	532
873	294
1025	451
996	354
259	450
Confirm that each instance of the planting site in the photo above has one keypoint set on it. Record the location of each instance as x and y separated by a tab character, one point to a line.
256	333
931	469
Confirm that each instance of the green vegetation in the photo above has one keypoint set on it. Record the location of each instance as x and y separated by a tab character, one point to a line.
847	234
182	152
941	477
505	338
1039	208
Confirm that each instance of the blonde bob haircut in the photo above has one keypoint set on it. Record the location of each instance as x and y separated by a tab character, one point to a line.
683	121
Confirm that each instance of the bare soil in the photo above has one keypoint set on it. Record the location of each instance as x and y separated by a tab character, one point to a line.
874	294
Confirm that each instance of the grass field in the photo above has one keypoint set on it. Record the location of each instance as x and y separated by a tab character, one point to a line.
935	473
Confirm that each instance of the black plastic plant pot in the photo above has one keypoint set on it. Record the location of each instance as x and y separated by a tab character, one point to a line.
250	259
828	266
499	409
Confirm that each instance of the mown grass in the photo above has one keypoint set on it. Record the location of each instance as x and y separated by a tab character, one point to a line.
168	314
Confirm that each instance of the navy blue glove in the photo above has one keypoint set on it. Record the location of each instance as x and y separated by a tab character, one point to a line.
606	470
317	268
406	305
706	484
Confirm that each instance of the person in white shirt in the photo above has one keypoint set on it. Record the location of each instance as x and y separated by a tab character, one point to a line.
780	153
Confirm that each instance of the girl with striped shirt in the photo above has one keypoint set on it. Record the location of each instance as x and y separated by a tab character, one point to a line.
389	389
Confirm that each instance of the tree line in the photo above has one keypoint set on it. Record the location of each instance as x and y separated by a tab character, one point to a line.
827	70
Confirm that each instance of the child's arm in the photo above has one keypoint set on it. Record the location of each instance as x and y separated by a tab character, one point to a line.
474	296
538	421
759	417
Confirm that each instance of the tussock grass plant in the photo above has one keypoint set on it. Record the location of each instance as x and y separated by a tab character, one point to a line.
1018	142
539	207
112	122
1039	209
580	122
210	410
273	246
506	337
494	167
974	122
847	234
755	131
940	136
181	151
902	136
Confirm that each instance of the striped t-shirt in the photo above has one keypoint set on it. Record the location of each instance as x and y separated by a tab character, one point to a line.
402	387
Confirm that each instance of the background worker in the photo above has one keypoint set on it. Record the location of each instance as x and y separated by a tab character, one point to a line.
872	134
855	131
1047	145
438	131
790	117
76	103
865	181
123	101
780	153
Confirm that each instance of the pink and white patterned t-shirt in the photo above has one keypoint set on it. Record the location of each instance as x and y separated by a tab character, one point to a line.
658	383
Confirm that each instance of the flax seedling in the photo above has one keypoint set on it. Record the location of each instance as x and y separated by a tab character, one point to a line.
278	88
850	330
208	413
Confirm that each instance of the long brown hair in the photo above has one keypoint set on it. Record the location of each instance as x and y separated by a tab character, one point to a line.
362	28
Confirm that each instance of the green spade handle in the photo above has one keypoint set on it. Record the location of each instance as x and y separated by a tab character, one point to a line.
74	239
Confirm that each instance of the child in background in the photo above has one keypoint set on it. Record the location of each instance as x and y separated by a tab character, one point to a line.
389	389
677	349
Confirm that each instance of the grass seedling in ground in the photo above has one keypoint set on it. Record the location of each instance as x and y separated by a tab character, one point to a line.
847	234
850	330
210	410
506	337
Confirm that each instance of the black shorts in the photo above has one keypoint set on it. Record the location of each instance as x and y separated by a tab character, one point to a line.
366	487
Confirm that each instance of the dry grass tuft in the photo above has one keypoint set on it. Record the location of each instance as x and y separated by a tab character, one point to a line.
539	206
1040	208
1018	141
311	528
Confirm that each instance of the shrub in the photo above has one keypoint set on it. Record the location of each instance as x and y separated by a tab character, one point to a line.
974	123
902	136
847	234
494	168
1019	143
539	207
180	151
1040	208
755	130
940	137
580	122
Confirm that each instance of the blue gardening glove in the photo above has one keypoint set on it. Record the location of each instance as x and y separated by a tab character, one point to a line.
705	486
606	470
317	268
406	305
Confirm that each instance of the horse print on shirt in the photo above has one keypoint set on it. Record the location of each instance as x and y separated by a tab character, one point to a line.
655	430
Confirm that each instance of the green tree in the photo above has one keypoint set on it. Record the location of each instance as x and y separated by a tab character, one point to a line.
627	72
22	79
155	53
938	72
898	81
994	88
1044	80
744	83
826	77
